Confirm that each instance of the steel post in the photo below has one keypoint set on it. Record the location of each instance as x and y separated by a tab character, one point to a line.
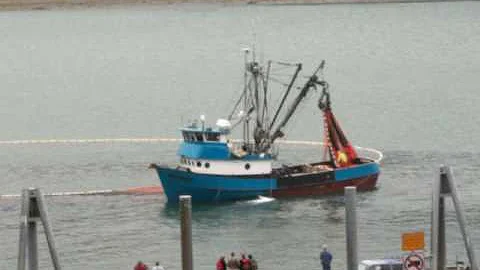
435	220
461	219
22	244
351	227
32	245
186	231
442	247
42	209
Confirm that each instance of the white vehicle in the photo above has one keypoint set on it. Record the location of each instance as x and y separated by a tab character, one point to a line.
397	264
381	264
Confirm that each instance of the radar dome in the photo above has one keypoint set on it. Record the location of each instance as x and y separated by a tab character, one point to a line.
223	124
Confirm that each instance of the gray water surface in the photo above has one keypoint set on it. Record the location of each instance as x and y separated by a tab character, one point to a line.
403	80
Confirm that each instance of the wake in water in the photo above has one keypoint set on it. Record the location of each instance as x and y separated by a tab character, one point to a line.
261	199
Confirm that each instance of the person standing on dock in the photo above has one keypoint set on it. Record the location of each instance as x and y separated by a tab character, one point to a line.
245	263
326	258
140	266
221	264
253	262
158	266
233	263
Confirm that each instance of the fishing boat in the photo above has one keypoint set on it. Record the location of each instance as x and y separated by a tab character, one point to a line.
213	167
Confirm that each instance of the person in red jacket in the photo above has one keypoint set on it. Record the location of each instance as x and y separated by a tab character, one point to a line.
245	263
140	266
221	263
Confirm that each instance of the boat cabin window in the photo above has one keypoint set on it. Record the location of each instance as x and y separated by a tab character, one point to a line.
212	137
199	136
190	136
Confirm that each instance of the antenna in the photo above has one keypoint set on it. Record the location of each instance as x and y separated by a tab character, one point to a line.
254	39
202	119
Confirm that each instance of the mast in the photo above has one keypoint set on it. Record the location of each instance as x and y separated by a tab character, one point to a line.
254	100
245	99
265	91
255	70
261	135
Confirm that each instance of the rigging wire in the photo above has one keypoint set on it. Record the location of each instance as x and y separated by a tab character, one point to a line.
286	63
236	106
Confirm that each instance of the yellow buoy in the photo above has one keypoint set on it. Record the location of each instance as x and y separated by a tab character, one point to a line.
342	158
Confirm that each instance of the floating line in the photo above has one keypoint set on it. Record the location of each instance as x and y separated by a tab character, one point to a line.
78	141
148	190
155	140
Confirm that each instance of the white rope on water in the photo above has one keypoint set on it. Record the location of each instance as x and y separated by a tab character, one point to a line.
77	141
371	150
155	140
378	153
71	193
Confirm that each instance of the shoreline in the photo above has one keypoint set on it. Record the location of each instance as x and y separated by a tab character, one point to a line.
11	5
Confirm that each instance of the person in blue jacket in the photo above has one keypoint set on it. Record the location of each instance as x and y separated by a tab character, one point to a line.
326	258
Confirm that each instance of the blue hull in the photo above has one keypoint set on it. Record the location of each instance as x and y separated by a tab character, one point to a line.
211	188
215	188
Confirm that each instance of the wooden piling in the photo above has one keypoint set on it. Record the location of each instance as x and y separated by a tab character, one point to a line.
186	231
351	227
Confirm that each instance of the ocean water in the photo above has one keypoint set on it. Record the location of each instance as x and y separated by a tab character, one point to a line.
403	80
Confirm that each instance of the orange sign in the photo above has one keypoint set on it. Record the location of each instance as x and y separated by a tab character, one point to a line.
413	241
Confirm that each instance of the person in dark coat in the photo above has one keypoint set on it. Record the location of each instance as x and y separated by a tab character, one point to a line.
253	262
326	258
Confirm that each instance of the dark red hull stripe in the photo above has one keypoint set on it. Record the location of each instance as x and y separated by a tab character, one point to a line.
362	184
